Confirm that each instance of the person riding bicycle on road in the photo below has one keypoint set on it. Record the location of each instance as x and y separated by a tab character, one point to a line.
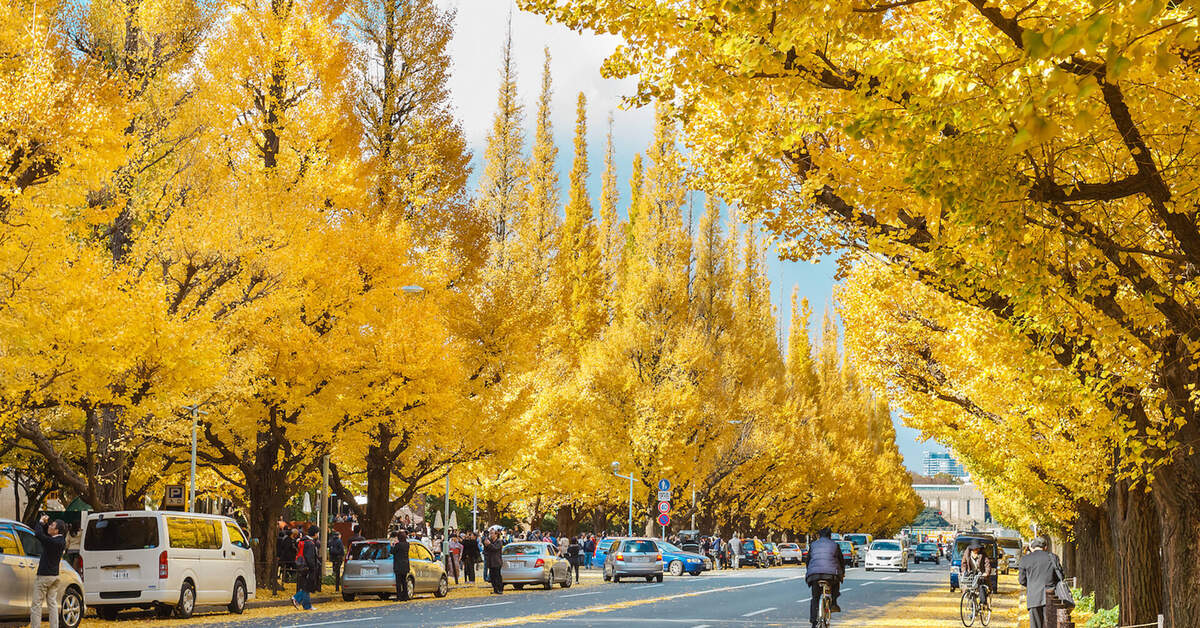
977	562
824	563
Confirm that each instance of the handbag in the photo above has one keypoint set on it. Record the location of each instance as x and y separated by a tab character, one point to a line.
1062	591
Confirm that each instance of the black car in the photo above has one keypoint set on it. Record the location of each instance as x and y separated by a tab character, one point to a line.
753	552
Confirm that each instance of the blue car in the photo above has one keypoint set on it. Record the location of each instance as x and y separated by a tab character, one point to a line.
676	561
961	543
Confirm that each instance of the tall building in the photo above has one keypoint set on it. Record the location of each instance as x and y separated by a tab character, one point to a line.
936	463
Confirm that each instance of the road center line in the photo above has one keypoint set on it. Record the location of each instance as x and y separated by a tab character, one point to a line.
329	623
459	608
579	594
547	617
759	612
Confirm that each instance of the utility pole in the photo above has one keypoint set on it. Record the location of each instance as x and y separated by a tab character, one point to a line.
195	412
324	510
475	509
446	522
616	466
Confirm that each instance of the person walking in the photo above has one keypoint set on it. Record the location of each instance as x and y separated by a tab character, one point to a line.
46	586
306	564
824	563
589	550
355	536
1039	570
575	555
316	572
337	554
564	542
470	556
454	561
491	551
400	564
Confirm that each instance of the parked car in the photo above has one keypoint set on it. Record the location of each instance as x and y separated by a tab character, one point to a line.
887	554
603	547
849	553
790	553
678	561
634	557
535	563
862	542
961	543
19	554
1011	547
773	554
752	552
927	552
169	561
368	571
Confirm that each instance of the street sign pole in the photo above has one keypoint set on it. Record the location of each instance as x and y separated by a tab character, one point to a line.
195	412
324	510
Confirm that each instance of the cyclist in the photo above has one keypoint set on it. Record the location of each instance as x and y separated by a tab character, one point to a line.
824	563
977	562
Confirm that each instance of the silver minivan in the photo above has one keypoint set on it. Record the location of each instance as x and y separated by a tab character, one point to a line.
368	571
634	557
19	553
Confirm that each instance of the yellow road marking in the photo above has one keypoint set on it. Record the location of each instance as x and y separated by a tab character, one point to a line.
605	608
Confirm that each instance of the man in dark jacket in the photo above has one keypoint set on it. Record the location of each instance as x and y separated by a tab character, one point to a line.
46	586
337	553
575	555
470	556
307	565
824	563
400	565
491	551
1039	570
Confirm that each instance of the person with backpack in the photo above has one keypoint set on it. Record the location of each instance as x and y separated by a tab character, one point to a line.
306	571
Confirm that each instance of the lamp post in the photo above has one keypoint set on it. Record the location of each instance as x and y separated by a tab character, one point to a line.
616	466
195	411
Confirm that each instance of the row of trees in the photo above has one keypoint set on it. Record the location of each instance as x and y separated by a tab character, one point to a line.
1018	182
260	208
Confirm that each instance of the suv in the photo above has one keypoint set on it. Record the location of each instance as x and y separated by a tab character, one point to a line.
19	554
753	552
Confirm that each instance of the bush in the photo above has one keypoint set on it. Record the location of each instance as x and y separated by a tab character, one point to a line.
1084	604
1104	618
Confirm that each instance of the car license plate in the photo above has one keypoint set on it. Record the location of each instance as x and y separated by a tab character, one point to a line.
120	574
513	564
369	571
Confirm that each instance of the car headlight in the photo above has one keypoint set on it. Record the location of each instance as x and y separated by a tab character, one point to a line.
693	560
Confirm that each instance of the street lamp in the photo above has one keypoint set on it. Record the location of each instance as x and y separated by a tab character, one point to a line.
616	466
195	412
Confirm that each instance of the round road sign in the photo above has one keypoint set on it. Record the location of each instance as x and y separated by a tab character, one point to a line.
664	520
664	485
664	507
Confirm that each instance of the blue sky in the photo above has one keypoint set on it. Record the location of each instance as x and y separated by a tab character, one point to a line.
575	66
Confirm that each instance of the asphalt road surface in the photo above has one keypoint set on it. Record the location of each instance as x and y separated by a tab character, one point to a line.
746	597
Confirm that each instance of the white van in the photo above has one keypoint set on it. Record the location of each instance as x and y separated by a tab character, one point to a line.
171	561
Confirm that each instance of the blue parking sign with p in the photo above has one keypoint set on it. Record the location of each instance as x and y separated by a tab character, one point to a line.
664	485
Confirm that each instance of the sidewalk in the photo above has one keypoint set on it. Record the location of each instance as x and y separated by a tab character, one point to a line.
940	609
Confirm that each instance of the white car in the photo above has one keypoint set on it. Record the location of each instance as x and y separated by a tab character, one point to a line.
790	553
887	554
169	561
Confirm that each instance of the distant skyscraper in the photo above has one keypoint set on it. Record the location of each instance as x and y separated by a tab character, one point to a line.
936	463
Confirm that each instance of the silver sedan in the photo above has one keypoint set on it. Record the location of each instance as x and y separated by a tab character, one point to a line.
19	554
534	563
368	571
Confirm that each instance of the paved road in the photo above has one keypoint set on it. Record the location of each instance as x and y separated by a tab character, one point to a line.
748	597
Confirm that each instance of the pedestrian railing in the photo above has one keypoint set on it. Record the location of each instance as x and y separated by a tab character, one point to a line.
1161	623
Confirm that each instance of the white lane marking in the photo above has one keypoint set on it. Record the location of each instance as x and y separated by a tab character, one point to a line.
886	578
701	626
650	586
759	612
459	608
804	600
329	623
579	594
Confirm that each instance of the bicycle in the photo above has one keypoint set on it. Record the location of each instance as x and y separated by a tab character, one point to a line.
970	607
824	605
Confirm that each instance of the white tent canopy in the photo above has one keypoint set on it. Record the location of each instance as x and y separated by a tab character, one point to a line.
437	521
408	512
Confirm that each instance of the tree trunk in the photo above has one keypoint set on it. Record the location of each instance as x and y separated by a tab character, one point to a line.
1137	541
1177	496
378	512
566	521
1095	556
267	495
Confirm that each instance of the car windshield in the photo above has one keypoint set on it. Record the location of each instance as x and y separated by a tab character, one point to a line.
886	546
647	547
369	551
523	549
858	539
667	547
117	534
961	545
1010	543
788	546
927	547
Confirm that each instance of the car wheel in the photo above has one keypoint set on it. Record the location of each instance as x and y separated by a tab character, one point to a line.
676	568
443	588
108	613
659	577
412	587
566	584
615	577
71	608
347	597
606	576
187	600
237	604
549	581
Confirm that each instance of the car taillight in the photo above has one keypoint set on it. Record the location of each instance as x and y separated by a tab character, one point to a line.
162	565
620	557
79	566
539	563
659	557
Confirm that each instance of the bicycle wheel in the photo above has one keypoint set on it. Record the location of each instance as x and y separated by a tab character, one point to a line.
823	610
966	608
985	612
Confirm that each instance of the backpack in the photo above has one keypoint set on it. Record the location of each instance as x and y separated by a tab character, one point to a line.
300	562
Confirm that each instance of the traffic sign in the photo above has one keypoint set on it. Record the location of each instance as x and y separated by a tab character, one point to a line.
664	507
664	520
174	497
664	496
664	485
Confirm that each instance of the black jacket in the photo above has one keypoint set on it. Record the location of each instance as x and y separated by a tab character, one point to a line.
52	550
491	550
337	550
400	557
573	551
470	551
